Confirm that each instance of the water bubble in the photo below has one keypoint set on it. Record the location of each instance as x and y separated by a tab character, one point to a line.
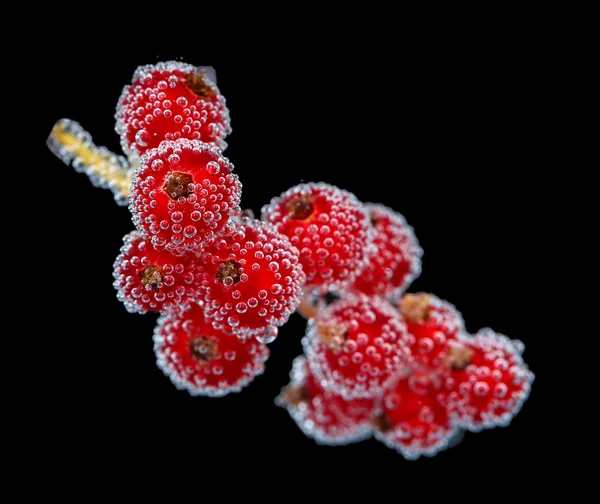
212	168
269	335
142	138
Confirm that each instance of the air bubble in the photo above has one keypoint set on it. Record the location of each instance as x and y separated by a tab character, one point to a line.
269	335
142	138
212	168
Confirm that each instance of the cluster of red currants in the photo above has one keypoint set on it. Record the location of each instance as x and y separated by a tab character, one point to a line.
376	361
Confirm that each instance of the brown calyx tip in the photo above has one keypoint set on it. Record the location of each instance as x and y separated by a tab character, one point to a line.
153	276
415	308
300	208
203	349
177	185
374	219
333	335
458	358
248	213
293	396
229	269
307	310
198	85
381	423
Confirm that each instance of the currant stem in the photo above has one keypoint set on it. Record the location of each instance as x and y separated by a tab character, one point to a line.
74	146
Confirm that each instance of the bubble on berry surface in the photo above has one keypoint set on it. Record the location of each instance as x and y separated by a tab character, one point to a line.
298	213
322	415
269	335
345	327
164	197
168	101
203	360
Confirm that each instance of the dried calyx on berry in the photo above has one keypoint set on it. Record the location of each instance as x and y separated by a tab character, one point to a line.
178	185
301	208
200	85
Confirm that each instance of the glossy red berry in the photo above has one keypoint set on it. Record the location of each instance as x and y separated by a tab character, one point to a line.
331	229
397	260
147	279
183	195
251	280
202	360
357	346
413	422
431	323
168	101
487	381
322	415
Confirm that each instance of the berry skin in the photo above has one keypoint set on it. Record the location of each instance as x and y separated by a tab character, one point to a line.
251	280
323	415
357	346
147	279
202	360
397	261
183	195
168	101
431	324
331	229
487	381
413	422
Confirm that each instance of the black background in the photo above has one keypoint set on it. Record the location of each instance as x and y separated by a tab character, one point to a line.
442	136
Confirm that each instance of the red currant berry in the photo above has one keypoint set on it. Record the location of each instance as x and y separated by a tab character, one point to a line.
431	324
357	346
331	229
168	101
413	422
183	195
322	415
202	360
147	279
251	280
397	261
487	380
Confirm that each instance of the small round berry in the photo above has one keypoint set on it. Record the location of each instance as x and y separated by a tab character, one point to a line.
487	381
147	279
322	415
432	324
397	261
251	280
357	346
183	195
168	101
331	229
413	422
202	360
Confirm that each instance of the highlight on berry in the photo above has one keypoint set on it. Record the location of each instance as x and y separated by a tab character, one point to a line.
377	361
